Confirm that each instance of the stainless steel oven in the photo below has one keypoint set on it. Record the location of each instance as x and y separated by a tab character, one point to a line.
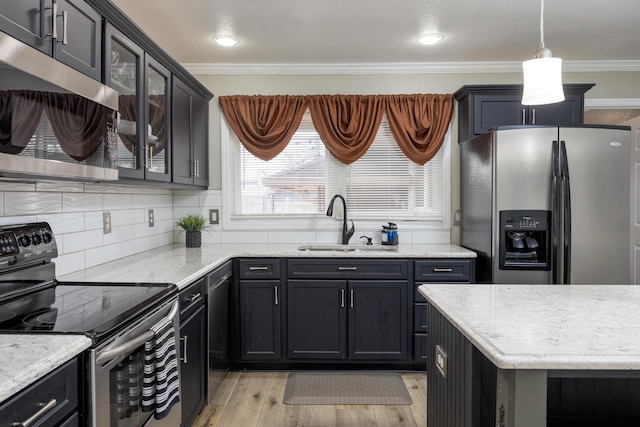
134	329
117	372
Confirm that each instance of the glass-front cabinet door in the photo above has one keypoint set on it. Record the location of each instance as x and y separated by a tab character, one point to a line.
124	72
144	148
158	146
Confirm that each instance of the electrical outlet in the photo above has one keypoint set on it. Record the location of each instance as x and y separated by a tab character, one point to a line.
106	222
151	218
457	217
214	216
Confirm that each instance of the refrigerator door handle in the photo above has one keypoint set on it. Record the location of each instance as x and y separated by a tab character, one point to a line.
566	193
555	212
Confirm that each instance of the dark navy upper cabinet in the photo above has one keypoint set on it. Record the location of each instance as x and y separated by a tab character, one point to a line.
483	107
69	30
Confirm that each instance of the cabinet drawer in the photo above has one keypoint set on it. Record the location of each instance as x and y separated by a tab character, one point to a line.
445	270
420	348
382	269
420	318
60	386
259	268
192	297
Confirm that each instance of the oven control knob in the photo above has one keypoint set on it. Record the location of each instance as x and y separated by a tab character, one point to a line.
36	239
47	237
24	241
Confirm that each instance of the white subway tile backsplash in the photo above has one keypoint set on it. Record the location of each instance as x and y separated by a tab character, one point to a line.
26	202
10	220
74	242
118	234
211	199
186	199
288	236
60	187
17	186
129	217
152	200
116	201
68	263
1	204
81	202
130	247
157	240
101	255
65	222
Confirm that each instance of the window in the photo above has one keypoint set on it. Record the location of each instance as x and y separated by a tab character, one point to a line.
304	176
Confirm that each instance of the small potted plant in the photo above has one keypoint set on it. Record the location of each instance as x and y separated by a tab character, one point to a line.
193	225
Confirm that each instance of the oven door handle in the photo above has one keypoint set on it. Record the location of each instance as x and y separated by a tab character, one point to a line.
134	343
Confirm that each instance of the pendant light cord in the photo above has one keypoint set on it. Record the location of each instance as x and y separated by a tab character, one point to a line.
541	23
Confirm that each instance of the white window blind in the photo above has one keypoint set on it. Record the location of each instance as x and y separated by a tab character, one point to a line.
304	176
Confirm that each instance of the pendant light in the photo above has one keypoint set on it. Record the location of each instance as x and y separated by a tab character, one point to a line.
542	74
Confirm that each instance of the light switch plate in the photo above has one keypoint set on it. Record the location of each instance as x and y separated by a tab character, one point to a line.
151	218
106	222
214	216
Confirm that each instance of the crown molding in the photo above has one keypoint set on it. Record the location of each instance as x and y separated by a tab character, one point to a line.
402	68
612	103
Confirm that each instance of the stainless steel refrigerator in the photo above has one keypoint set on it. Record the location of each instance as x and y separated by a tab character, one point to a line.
548	204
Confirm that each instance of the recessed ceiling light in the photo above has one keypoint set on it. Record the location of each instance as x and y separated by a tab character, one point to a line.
225	40
431	38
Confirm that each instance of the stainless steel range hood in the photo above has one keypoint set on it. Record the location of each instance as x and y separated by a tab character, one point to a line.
44	154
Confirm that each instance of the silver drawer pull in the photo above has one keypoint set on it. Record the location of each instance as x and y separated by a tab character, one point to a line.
33	418
443	270
194	297
341	268
258	268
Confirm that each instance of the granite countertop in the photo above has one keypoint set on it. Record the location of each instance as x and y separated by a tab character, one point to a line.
546	326
180	265
27	358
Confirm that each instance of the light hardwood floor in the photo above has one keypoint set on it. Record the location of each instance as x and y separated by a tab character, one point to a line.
254	399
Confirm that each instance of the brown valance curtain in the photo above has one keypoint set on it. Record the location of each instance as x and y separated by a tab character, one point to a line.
264	124
347	124
419	123
157	122
20	112
79	124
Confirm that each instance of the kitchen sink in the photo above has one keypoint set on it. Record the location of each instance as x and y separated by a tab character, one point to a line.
347	248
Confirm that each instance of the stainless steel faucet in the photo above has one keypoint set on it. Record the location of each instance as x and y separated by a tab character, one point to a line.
346	233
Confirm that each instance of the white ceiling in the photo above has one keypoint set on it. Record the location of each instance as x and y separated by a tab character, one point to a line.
339	32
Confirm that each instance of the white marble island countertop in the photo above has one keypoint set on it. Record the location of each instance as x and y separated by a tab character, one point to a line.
180	265
27	358
580	327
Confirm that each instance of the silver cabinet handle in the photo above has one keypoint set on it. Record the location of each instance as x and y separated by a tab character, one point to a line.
184	349
258	268
351	297
64	27
275	293
44	407
198	168
341	297
341	268
533	116
54	23
194	297
524	116
443	270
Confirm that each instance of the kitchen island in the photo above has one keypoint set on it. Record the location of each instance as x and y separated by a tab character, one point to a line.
533	355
